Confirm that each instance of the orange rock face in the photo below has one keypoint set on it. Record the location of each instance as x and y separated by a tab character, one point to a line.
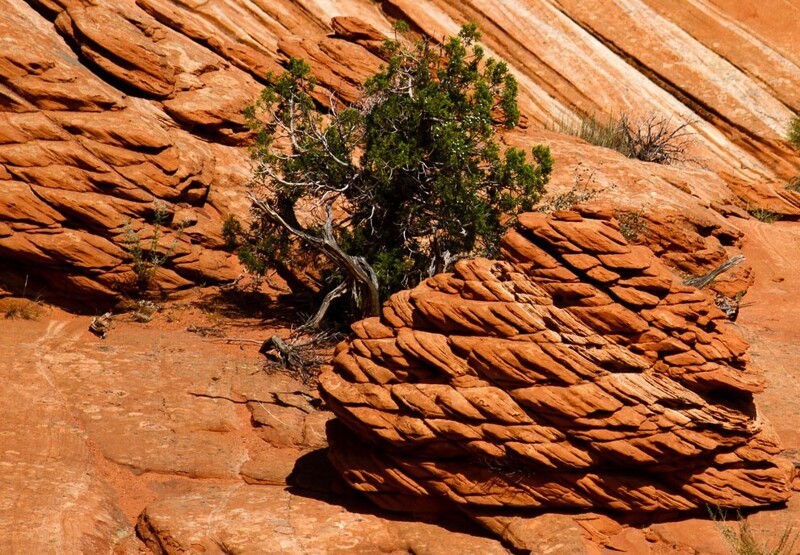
109	109
575	372
108	106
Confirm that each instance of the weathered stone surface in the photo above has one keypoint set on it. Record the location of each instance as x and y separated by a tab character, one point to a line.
551	389
53	498
674	59
259	519
106	107
109	108
550	533
82	159
159	423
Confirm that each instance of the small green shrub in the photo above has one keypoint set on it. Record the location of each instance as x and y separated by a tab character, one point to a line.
794	131
653	139
583	190
632	225
146	256
566	200
764	215
231	233
794	184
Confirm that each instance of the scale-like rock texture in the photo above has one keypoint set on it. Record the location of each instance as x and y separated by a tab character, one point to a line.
576	372
106	113
108	106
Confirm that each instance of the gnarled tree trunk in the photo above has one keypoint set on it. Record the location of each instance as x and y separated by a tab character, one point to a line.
361	279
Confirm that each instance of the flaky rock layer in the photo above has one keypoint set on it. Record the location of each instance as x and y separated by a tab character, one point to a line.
575	372
109	108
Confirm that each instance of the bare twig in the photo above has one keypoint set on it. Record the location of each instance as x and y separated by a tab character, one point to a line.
241	340
300	359
204	331
332	295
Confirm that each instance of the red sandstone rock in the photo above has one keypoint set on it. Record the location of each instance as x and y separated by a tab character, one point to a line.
522	399
259	519
108	106
162	427
117	104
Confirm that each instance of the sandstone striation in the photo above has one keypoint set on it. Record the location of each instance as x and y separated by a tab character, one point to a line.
107	107
244	519
575	372
111	110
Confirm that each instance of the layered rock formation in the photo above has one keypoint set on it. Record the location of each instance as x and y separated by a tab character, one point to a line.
107	107
108	115
575	372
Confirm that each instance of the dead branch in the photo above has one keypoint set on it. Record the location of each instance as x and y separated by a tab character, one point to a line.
301	359
332	295
101	325
362	279
702	281
204	331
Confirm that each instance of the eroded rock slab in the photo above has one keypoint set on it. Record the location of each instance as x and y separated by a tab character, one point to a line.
262	519
94	430
52	498
575	372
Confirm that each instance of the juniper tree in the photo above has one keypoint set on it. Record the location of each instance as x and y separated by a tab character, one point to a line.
400	185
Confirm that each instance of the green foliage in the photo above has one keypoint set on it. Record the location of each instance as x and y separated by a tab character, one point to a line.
632	225
794	184
146	255
582	190
408	180
263	246
608	133
567	200
231	232
794	131
764	215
